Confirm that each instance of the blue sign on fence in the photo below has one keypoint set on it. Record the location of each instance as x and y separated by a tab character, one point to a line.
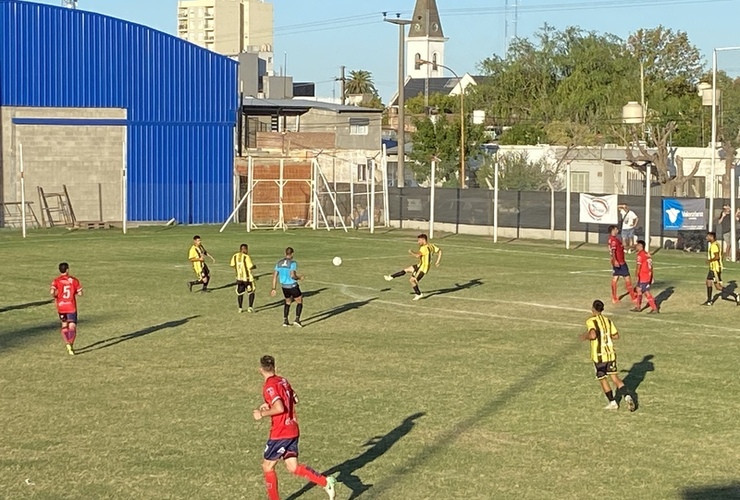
685	214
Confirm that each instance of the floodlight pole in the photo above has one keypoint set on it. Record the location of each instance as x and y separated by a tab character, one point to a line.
401	23
648	185
733	180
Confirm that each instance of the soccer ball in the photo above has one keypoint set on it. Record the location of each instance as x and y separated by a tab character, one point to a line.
337	261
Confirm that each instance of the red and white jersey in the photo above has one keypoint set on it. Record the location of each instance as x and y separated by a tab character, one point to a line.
644	267
67	288
285	425
616	249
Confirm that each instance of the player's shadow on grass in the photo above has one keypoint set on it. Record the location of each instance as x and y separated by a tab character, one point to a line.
727	291
336	311
222	287
664	296
27	305
727	492
636	376
376	447
102	344
464	286
279	303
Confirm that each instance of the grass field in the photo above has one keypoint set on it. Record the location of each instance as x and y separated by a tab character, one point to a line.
480	391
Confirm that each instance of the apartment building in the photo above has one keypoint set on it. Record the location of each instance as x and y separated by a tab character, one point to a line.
228	27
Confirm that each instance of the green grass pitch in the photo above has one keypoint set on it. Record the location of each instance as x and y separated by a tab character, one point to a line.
482	390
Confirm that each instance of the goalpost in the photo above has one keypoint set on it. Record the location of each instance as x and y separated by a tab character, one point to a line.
288	192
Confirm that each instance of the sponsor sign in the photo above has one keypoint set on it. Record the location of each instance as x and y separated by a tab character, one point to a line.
684	214
599	209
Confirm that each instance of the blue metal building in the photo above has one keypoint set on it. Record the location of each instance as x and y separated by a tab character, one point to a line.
180	101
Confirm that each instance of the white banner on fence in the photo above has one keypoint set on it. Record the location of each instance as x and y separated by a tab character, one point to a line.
599	209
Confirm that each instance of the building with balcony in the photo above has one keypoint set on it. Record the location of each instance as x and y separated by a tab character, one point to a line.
228	27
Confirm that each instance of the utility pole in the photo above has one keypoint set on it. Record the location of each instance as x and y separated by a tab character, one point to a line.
401	23
343	80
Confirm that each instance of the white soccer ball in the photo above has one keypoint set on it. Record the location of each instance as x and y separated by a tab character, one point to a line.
337	261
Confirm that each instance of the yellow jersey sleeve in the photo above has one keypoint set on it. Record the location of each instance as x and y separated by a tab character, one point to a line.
434	248
233	260
249	265
193	253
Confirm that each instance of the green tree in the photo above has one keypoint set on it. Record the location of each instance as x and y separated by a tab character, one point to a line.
517	172
360	82
441	140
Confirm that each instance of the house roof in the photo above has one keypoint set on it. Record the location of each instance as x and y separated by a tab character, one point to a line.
437	85
293	107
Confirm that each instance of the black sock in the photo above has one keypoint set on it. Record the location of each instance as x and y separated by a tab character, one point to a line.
298	311
240	300
398	274
416	290
251	300
286	311
609	395
197	282
709	294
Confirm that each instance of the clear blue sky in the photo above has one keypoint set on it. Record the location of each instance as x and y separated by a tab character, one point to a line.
315	48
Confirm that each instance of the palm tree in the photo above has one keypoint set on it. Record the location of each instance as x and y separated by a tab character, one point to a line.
360	82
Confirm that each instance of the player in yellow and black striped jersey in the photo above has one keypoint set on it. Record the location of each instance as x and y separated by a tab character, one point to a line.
197	255
601	332
243	265
714	276
418	271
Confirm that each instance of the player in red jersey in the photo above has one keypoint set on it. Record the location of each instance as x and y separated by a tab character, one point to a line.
619	265
644	278
65	289
279	405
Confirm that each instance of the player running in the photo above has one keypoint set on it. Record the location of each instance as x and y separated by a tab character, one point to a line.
197	255
286	271
645	278
65	289
619	265
242	264
714	277
601	332
279	405
418	271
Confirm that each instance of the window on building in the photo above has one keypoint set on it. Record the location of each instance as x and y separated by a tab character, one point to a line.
361	173
359	126
192	12
579	182
434	62
201	36
417	61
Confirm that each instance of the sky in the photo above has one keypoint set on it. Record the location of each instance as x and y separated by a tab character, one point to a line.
319	36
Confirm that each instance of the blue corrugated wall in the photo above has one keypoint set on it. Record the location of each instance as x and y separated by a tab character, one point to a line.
181	101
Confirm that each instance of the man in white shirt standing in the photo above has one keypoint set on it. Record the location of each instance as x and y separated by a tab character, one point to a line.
629	224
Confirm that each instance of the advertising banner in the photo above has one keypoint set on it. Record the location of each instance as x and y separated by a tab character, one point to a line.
599	209
684	214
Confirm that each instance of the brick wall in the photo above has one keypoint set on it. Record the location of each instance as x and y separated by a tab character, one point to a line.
86	159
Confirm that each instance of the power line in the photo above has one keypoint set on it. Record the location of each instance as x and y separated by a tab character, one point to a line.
560	7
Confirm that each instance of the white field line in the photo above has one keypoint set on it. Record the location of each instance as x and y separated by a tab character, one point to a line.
344	288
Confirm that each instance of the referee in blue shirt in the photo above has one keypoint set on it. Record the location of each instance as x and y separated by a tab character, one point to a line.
285	271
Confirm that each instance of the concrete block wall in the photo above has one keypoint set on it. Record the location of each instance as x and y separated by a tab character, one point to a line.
87	159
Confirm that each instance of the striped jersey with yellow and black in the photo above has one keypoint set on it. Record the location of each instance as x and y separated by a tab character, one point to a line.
602	347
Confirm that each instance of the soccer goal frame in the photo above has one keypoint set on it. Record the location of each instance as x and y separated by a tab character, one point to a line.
323	209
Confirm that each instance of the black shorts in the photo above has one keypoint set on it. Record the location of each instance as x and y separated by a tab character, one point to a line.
68	317
205	272
281	449
292	293
622	270
417	275
604	369
716	277
244	286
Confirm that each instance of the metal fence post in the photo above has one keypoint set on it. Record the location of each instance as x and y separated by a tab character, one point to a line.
495	202
432	192
733	210
648	183
567	207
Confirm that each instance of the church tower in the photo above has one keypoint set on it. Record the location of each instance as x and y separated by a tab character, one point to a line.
425	41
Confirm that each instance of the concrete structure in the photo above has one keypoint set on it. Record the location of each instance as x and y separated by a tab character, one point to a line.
115	105
87	159
228	27
294	128
425	42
